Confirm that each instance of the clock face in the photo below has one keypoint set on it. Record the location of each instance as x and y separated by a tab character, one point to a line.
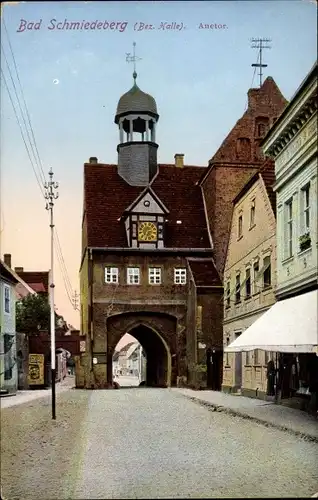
147	231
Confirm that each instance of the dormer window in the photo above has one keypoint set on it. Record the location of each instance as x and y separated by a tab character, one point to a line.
145	221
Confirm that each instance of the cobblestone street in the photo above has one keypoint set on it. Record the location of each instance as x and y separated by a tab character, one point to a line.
147	443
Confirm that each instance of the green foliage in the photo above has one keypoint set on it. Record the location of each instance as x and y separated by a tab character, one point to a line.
32	314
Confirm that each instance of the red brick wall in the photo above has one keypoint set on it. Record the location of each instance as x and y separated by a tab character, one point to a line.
234	163
41	344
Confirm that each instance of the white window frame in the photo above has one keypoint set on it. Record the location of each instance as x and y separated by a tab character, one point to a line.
6	288
133	276
180	275
289	228
154	275
305	209
111	275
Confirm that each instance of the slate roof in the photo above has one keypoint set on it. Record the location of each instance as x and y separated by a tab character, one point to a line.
204	272
107	195
136	100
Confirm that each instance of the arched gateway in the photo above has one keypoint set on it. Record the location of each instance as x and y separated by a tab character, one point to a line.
146	266
158	343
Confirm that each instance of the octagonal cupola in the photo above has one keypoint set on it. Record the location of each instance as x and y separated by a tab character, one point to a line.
137	117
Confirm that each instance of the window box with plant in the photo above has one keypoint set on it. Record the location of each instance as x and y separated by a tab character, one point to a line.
304	241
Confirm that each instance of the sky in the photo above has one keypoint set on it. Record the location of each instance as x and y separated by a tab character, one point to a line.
73	79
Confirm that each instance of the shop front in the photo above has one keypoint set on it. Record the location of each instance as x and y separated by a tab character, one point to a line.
289	329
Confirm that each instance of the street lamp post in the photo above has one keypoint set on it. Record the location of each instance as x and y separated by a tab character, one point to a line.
50	196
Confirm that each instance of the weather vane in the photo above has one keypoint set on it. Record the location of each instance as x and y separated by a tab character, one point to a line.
133	58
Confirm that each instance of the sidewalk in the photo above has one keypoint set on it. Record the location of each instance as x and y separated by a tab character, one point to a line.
264	412
25	396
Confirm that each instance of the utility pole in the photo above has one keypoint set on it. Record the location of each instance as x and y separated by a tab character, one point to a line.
75	299
257	43
51	195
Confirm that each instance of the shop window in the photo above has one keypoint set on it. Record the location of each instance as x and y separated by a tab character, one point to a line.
247	358
256	357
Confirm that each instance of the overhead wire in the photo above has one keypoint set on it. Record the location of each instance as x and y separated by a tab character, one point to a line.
40	173
25	105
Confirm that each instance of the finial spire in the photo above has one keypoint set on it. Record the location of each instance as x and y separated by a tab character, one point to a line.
133	58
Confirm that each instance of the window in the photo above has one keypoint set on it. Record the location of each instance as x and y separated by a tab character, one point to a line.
154	275
256	357
133	275
247	358
240	226
252	214
227	354
267	272
289	229
238	289
111	275
7	299
255	275
261	129
180	276
267	357
248	283
228	294
306	208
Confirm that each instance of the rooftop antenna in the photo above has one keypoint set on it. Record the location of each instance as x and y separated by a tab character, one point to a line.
133	58
258	43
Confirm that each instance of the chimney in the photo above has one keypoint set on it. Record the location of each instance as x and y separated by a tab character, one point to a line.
252	96
93	159
7	259
18	269
178	160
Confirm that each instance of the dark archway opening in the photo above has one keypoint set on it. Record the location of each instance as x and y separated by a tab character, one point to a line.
156	371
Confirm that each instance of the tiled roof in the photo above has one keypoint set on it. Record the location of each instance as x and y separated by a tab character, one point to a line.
107	195
36	278
6	273
204	272
37	287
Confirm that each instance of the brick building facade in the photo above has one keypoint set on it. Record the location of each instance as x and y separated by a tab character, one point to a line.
154	240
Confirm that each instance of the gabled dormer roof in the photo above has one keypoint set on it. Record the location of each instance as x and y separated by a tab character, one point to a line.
155	204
